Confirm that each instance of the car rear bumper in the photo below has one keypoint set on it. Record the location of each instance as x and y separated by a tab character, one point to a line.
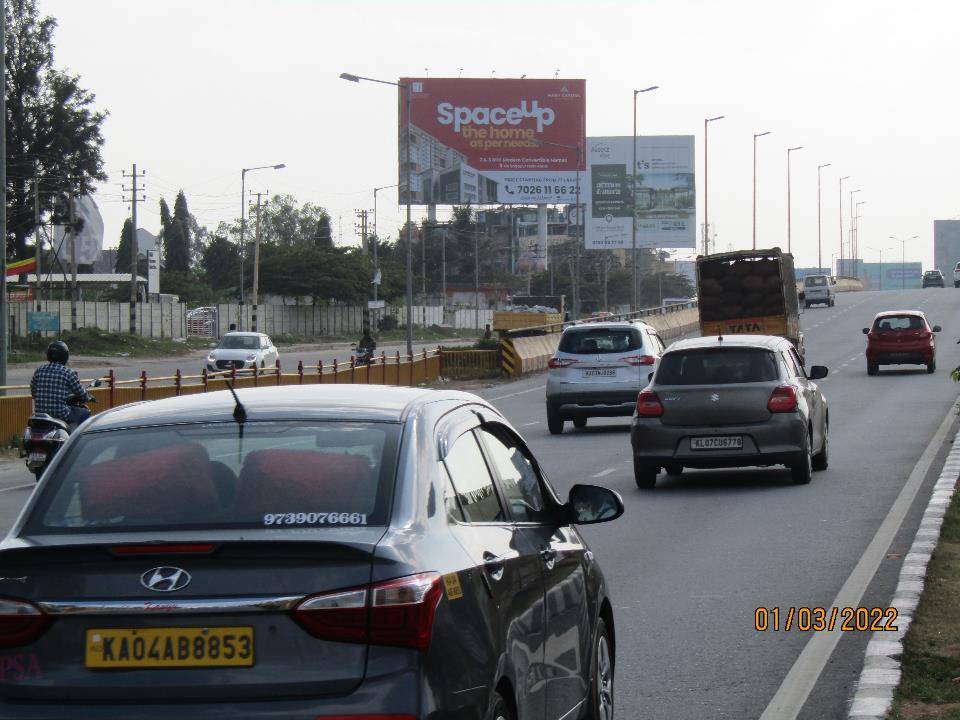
912	356
601	403
391	695
782	440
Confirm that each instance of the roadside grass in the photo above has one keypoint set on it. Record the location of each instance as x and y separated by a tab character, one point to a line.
930	684
90	341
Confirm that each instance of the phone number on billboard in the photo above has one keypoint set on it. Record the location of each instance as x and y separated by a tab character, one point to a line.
545	189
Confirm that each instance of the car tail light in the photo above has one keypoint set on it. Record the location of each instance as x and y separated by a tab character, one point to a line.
21	622
396	612
648	404
554	363
783	399
637	360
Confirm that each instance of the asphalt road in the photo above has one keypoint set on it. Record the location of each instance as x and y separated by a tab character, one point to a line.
691	561
193	364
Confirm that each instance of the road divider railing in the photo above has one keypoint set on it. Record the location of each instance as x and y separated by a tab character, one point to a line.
527	350
16	405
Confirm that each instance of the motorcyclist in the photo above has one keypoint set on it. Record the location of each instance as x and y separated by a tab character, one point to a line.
367	343
53	383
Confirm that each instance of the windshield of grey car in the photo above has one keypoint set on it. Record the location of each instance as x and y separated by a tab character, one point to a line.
600	340
278	475
717	367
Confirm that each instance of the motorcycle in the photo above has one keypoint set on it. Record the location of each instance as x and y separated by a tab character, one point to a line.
45	435
363	355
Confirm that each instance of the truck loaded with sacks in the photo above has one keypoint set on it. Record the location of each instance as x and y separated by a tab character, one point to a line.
751	292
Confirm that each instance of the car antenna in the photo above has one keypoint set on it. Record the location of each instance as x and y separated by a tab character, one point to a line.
239	411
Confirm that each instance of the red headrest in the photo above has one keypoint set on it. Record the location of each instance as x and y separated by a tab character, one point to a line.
280	481
173	482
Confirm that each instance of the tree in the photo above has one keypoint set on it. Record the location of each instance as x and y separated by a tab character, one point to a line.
221	264
165	222
176	237
122	263
52	128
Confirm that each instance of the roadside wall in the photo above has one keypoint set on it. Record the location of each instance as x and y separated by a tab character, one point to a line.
155	320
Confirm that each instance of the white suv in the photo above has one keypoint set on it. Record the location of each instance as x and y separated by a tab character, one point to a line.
598	371
956	275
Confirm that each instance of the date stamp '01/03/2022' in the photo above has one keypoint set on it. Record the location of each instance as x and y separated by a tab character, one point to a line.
819	619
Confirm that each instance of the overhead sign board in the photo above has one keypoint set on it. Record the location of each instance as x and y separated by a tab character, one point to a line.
485	140
659	194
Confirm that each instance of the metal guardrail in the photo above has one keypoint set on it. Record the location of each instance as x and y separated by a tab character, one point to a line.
635	315
397	369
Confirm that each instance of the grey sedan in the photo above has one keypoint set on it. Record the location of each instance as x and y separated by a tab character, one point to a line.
304	552
734	401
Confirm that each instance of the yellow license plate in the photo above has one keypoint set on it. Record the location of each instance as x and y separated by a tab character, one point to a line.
169	647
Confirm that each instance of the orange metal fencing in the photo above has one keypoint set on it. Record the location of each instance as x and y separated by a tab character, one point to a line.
407	370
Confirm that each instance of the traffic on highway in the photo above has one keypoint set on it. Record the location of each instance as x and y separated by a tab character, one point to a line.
154	550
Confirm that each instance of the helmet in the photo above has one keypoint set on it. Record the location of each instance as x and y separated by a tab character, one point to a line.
58	352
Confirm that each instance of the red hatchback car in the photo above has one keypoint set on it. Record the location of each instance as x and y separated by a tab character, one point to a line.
901	337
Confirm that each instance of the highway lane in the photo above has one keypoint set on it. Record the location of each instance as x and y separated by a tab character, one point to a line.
692	560
193	364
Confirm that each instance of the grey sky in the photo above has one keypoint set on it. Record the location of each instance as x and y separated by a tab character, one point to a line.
198	89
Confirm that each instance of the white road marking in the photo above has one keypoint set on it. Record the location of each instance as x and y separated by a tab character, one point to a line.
519	392
603	473
535	422
800	681
18	487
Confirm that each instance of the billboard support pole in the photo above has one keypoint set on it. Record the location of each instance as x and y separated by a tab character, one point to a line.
407	90
633	213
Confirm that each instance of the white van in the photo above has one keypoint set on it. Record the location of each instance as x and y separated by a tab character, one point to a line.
819	289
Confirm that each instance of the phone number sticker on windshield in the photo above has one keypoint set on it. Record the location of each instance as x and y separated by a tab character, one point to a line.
315	518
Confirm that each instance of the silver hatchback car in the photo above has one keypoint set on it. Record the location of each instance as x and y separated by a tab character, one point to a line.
737	401
598	370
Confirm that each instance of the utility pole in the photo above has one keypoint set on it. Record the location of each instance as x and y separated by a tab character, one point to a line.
819	247
134	251
71	201
37	246
840	266
256	263
4	307
362	227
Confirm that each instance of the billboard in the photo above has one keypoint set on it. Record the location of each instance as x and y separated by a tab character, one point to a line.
891	276
89	240
660	192
485	141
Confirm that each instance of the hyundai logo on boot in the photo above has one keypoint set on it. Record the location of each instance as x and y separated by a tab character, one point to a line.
165	579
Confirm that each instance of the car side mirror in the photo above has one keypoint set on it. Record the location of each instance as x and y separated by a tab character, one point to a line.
937	328
818	372
866	331
590	504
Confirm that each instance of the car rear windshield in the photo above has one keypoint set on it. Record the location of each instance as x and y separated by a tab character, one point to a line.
593	341
814	280
209	476
898	322
717	367
240	342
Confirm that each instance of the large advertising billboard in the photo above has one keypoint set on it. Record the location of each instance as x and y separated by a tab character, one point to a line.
659	194
485	140
946	246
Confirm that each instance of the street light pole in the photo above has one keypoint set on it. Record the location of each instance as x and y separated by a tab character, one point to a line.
376	238
850	244
405	159
243	229
856	224
789	242
840	204
819	230
633	220
755	136
706	176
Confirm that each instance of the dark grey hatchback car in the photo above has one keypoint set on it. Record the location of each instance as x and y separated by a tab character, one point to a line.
328	552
